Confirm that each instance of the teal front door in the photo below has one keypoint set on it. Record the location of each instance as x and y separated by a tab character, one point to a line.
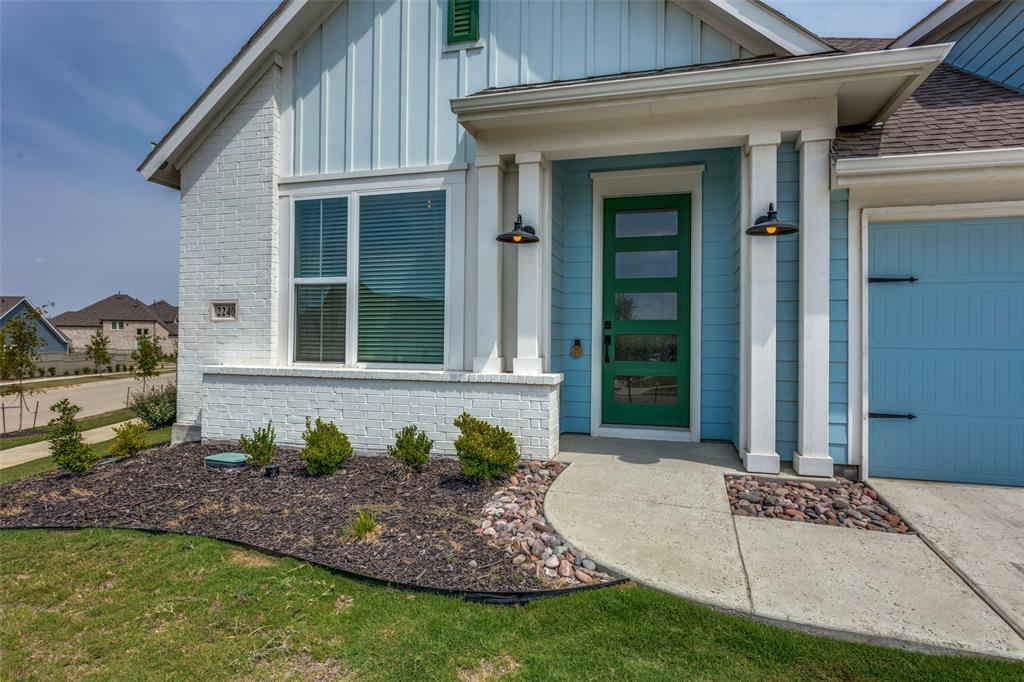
645	349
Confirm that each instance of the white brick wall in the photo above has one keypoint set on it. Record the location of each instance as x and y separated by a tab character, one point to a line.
230	242
370	410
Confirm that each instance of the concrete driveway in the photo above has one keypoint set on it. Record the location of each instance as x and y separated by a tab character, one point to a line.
659	514
979	529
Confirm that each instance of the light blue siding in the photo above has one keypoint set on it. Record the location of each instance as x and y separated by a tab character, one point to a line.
51	342
949	349
838	369
787	307
572	228
992	44
371	86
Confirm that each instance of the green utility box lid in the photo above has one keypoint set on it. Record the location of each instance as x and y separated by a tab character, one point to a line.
226	460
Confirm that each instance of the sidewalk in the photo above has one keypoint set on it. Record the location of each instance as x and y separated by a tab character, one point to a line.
33	451
659	513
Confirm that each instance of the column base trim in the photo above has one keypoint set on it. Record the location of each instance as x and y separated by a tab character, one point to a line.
488	365
527	366
761	462
813	465
186	433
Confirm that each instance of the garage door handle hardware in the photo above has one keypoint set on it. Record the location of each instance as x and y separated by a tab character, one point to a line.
890	280
890	415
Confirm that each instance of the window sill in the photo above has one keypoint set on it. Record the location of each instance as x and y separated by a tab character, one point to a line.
464	45
438	375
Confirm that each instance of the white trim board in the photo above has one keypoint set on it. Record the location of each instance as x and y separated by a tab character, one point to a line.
860	220
646	182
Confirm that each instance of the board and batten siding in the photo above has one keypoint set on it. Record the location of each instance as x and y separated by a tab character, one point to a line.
370	87
839	321
992	44
572	234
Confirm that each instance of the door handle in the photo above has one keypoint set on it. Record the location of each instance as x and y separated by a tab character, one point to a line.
607	345
890	415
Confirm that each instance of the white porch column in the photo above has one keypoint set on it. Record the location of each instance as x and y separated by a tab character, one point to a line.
759	453
529	312
490	176
812	458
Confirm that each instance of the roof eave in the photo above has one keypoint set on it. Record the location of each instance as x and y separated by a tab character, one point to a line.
944	19
873	170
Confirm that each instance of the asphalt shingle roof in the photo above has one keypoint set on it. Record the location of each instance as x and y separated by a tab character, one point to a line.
8	302
116	307
952	110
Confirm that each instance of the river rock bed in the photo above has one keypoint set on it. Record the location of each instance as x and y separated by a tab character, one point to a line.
514	521
845	503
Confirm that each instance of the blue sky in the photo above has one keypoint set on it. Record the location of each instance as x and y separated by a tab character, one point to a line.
87	85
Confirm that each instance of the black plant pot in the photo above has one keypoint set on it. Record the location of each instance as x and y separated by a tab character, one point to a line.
272	470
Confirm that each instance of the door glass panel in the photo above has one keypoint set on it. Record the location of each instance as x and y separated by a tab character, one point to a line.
645	347
637	264
646	306
646	390
655	222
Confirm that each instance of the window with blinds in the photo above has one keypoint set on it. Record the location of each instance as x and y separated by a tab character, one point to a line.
463	20
320	269
401	278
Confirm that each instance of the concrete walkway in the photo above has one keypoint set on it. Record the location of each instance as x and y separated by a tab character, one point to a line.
33	451
659	514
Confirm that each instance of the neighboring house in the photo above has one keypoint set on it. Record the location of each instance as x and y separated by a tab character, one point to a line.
123	320
13	306
168	315
344	179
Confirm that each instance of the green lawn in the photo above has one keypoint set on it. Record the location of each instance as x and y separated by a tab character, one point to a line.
102	604
100	450
85	423
74	380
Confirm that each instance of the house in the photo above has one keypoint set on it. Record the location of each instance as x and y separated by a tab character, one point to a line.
123	320
168	315
52	340
351	180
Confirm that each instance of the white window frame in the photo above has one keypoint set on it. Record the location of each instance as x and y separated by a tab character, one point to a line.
117	325
452	182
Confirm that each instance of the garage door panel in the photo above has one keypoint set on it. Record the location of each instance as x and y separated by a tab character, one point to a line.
949	349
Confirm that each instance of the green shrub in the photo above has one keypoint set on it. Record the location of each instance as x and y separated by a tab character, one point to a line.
77	372
69	451
261	448
411	448
109	368
362	526
129	438
484	450
157	406
53	371
327	448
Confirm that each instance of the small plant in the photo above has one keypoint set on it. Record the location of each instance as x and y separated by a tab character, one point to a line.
411	448
327	448
52	371
69	451
262	447
109	369
98	350
40	372
87	370
77	372
362	526
484	450
129	438
157	406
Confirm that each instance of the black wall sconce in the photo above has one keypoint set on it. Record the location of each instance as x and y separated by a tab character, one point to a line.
520	234
769	225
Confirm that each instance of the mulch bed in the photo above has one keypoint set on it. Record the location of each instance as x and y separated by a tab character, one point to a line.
428	524
845	503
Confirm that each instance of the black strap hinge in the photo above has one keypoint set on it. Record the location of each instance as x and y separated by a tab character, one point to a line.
890	280
890	415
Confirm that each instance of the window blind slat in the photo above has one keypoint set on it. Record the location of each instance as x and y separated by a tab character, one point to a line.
320	322
321	237
401	278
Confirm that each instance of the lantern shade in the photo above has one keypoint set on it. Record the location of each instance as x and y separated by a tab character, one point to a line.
520	234
769	225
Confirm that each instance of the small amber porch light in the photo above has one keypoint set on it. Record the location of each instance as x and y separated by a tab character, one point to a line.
520	234
769	225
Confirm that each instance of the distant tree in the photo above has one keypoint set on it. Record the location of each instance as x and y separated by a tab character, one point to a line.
98	349
19	344
147	358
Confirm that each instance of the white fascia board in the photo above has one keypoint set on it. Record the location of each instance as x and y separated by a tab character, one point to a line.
944	19
791	38
205	108
867	170
911	61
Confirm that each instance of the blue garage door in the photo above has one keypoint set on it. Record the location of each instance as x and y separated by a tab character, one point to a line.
946	351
